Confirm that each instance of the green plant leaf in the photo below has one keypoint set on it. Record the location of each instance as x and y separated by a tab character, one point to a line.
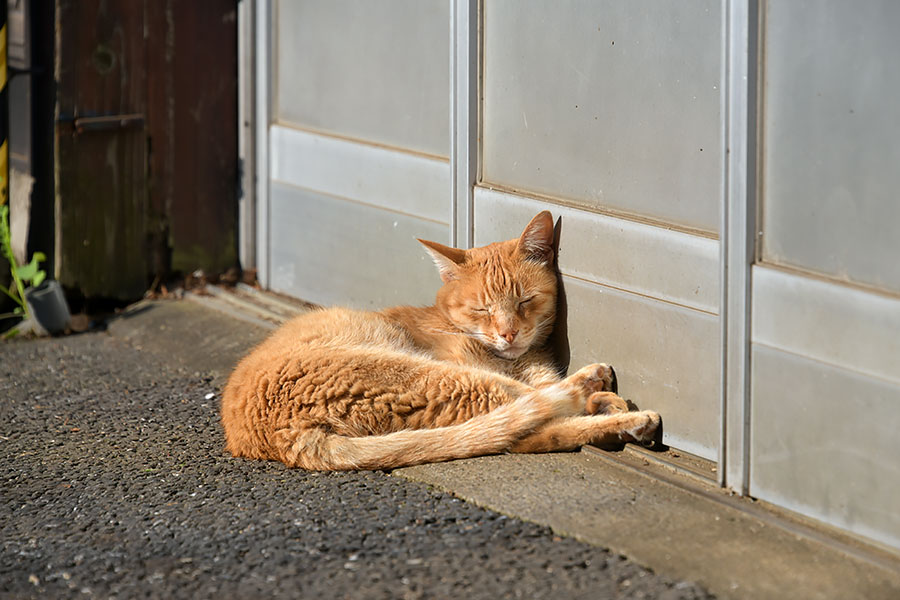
29	273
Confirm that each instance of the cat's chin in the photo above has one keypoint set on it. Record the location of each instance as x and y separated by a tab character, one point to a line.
509	353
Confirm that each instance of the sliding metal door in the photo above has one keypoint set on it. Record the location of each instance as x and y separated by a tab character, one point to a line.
825	405
609	115
725	171
358	149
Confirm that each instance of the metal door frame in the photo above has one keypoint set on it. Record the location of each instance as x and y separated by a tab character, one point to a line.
254	110
738	238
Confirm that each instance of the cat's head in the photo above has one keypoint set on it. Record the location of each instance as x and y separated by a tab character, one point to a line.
504	294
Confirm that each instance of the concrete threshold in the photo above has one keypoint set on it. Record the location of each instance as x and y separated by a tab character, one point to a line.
675	526
671	522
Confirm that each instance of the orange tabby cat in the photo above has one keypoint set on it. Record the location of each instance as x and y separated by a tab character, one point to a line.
344	389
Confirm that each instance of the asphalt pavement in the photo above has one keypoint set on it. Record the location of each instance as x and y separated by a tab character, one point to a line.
115	485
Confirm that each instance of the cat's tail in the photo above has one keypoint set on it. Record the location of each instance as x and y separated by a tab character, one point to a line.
490	433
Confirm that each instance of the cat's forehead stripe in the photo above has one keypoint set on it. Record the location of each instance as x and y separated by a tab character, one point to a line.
497	277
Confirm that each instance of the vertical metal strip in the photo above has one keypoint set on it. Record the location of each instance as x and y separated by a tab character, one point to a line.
263	76
724	241
738	228
463	119
247	241
454	123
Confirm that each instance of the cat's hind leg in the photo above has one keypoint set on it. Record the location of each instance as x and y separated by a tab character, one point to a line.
570	433
379	410
317	448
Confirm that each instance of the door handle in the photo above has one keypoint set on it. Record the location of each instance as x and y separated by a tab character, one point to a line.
108	122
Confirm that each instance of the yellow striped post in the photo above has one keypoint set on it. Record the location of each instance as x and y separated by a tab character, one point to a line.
4	111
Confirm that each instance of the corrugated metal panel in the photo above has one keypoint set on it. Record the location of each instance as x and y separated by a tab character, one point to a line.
828	322
616	108
610	104
825	444
375	71
636	297
331	250
654	261
396	180
666	358
831	126
825	374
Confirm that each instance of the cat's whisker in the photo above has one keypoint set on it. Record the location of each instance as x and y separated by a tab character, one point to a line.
444	331
476	335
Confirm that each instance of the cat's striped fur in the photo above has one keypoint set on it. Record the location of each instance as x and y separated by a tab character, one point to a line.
342	389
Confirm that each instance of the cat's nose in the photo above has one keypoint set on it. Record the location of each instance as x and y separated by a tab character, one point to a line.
509	336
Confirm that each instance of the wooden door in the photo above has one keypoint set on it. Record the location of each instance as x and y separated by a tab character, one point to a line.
146	134
101	153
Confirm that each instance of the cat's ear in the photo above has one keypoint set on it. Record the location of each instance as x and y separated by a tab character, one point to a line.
536	242
446	258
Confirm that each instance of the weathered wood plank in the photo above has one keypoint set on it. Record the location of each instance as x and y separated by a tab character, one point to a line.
203	209
102	194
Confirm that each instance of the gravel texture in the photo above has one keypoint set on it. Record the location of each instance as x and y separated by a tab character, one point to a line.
115	484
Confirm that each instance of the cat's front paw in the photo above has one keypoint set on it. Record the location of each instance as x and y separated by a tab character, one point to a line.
605	403
640	426
598	377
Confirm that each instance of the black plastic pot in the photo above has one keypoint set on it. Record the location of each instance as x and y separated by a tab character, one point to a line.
48	306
